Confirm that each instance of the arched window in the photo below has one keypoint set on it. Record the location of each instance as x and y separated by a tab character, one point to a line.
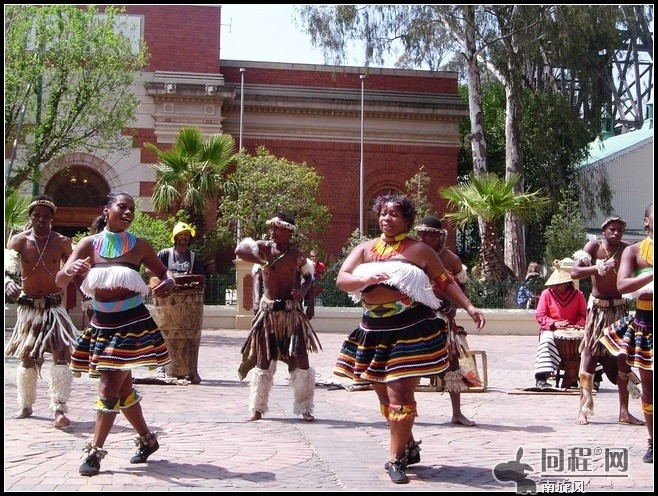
77	187
372	230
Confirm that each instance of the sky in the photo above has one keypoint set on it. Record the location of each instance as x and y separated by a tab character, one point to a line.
268	33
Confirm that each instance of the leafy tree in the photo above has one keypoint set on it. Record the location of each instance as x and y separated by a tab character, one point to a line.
190	174
565	233
69	77
417	188
489	197
268	184
331	295
553	139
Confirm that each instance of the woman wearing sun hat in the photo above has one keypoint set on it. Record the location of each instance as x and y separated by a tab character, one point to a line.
560	306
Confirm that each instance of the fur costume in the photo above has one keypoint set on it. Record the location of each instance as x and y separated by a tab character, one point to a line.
403	276
259	389
282	328
42	325
61	379
586	398
26	386
113	276
302	383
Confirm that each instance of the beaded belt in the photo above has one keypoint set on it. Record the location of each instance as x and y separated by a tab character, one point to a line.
48	301
617	302
644	305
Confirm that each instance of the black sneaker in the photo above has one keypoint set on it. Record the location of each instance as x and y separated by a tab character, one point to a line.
648	456
541	384
91	466
396	472
412	452
144	450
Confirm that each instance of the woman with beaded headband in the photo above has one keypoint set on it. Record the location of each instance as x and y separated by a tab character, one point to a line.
599	260
42	323
400	338
280	329
121	335
431	232
632	336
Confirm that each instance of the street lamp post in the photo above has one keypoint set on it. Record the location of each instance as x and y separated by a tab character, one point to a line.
361	171
242	71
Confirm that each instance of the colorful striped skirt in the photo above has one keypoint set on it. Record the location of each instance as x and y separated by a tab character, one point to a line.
411	343
632	337
120	340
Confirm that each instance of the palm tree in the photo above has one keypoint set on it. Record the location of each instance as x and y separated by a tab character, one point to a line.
16	216
190	173
489	197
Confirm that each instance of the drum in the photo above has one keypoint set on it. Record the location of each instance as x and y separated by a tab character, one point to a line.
567	342
179	317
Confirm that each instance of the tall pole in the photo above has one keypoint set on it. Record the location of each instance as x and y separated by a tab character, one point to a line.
361	171
242	71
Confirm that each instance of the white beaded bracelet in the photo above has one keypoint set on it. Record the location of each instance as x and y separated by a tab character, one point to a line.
67	274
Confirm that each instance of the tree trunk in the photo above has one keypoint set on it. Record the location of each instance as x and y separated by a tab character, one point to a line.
514	239
491	263
478	139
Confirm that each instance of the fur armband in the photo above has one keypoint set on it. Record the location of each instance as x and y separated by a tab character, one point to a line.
583	257
251	244
443	280
601	267
462	275
12	263
308	268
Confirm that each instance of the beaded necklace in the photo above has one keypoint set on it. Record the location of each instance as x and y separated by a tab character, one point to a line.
41	254
608	256
271	264
383	250
109	244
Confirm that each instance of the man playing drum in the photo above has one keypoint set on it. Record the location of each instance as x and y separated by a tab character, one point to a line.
600	261
560	307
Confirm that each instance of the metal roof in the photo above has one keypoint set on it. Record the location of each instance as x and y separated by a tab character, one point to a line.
610	148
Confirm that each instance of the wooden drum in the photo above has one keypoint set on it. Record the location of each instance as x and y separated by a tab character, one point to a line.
567	342
180	317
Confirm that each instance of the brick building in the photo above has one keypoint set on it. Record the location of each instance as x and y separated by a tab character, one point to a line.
305	113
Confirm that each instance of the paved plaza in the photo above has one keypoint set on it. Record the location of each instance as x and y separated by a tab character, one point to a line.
206	445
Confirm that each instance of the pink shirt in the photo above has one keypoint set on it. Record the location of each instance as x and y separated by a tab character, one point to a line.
569	306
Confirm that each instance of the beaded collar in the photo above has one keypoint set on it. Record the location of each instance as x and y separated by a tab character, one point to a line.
109	244
383	250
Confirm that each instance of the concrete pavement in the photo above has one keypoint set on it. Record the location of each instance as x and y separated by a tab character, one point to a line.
207	446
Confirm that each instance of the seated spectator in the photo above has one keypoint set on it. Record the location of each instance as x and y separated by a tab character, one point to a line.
527	295
560	306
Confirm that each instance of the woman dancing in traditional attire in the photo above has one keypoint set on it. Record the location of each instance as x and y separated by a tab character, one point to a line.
122	335
401	337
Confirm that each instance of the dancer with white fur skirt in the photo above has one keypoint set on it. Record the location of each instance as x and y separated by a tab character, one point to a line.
42	323
280	329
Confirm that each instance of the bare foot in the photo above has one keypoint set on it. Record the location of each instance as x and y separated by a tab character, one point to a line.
630	420
23	413
582	420
256	416
461	419
61	420
308	417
